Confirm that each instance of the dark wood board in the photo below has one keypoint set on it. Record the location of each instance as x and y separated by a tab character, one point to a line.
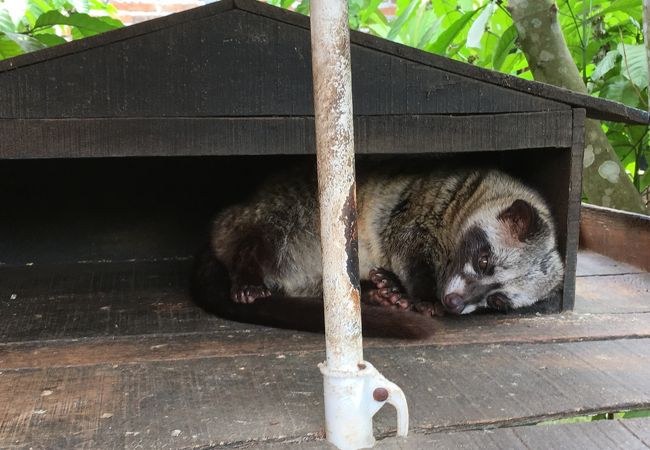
211	401
567	207
178	136
75	301
164	44
597	108
621	235
203	337
236	64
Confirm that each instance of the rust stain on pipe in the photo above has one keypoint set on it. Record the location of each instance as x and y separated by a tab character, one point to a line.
337	198
349	218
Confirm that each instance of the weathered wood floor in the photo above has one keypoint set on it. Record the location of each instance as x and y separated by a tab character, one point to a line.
103	356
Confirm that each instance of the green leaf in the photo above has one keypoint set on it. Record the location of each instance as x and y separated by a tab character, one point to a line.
303	7
636	132
50	39
86	24
447	37
26	43
621	90
379	29
397	25
6	24
635	64
605	65
426	37
372	8
8	48
477	29
628	6
506	43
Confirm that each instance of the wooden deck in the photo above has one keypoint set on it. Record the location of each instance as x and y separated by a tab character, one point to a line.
113	355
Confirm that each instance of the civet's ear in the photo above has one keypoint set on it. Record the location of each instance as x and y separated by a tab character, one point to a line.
521	219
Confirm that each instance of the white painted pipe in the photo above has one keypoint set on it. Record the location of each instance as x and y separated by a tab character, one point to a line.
354	390
335	150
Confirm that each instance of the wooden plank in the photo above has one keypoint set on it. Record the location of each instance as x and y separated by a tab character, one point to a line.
74	301
592	263
218	65
613	294
83	138
595	435
211	401
597	108
190	21
572	195
138	340
621	235
600	435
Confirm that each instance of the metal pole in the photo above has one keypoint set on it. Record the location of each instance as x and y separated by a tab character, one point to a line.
335	149
354	390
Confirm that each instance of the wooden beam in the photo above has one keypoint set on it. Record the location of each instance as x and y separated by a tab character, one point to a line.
279	396
179	136
621	235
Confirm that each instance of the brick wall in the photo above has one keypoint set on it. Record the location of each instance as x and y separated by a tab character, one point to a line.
134	11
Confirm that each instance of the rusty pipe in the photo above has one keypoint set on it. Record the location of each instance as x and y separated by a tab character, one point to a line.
337	196
354	390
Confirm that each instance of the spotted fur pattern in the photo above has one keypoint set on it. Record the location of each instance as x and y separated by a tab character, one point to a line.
468	238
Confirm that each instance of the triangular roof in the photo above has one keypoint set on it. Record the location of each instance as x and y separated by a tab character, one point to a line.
399	77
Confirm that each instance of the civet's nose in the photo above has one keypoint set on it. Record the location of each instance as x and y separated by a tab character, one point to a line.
454	303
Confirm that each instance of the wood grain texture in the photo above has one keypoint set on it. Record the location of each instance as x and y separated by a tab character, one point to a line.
231	25
600	435
592	263
220	65
628	293
112	355
620	235
108	300
570	199
205	337
212	401
390	133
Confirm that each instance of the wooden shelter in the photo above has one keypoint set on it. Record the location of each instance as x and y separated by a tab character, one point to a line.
234	78
116	149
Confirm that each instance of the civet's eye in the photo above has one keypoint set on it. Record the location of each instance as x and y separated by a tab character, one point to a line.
483	262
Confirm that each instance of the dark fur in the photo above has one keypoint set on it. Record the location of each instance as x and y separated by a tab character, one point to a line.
428	228
211	290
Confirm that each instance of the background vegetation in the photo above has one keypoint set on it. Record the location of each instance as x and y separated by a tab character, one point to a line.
28	25
605	39
604	36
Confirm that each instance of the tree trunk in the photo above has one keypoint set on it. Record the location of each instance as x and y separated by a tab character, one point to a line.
604	180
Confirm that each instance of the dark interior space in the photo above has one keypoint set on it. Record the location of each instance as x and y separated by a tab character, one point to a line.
83	210
156	209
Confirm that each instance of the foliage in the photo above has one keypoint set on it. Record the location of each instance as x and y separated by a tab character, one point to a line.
604	36
28	25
